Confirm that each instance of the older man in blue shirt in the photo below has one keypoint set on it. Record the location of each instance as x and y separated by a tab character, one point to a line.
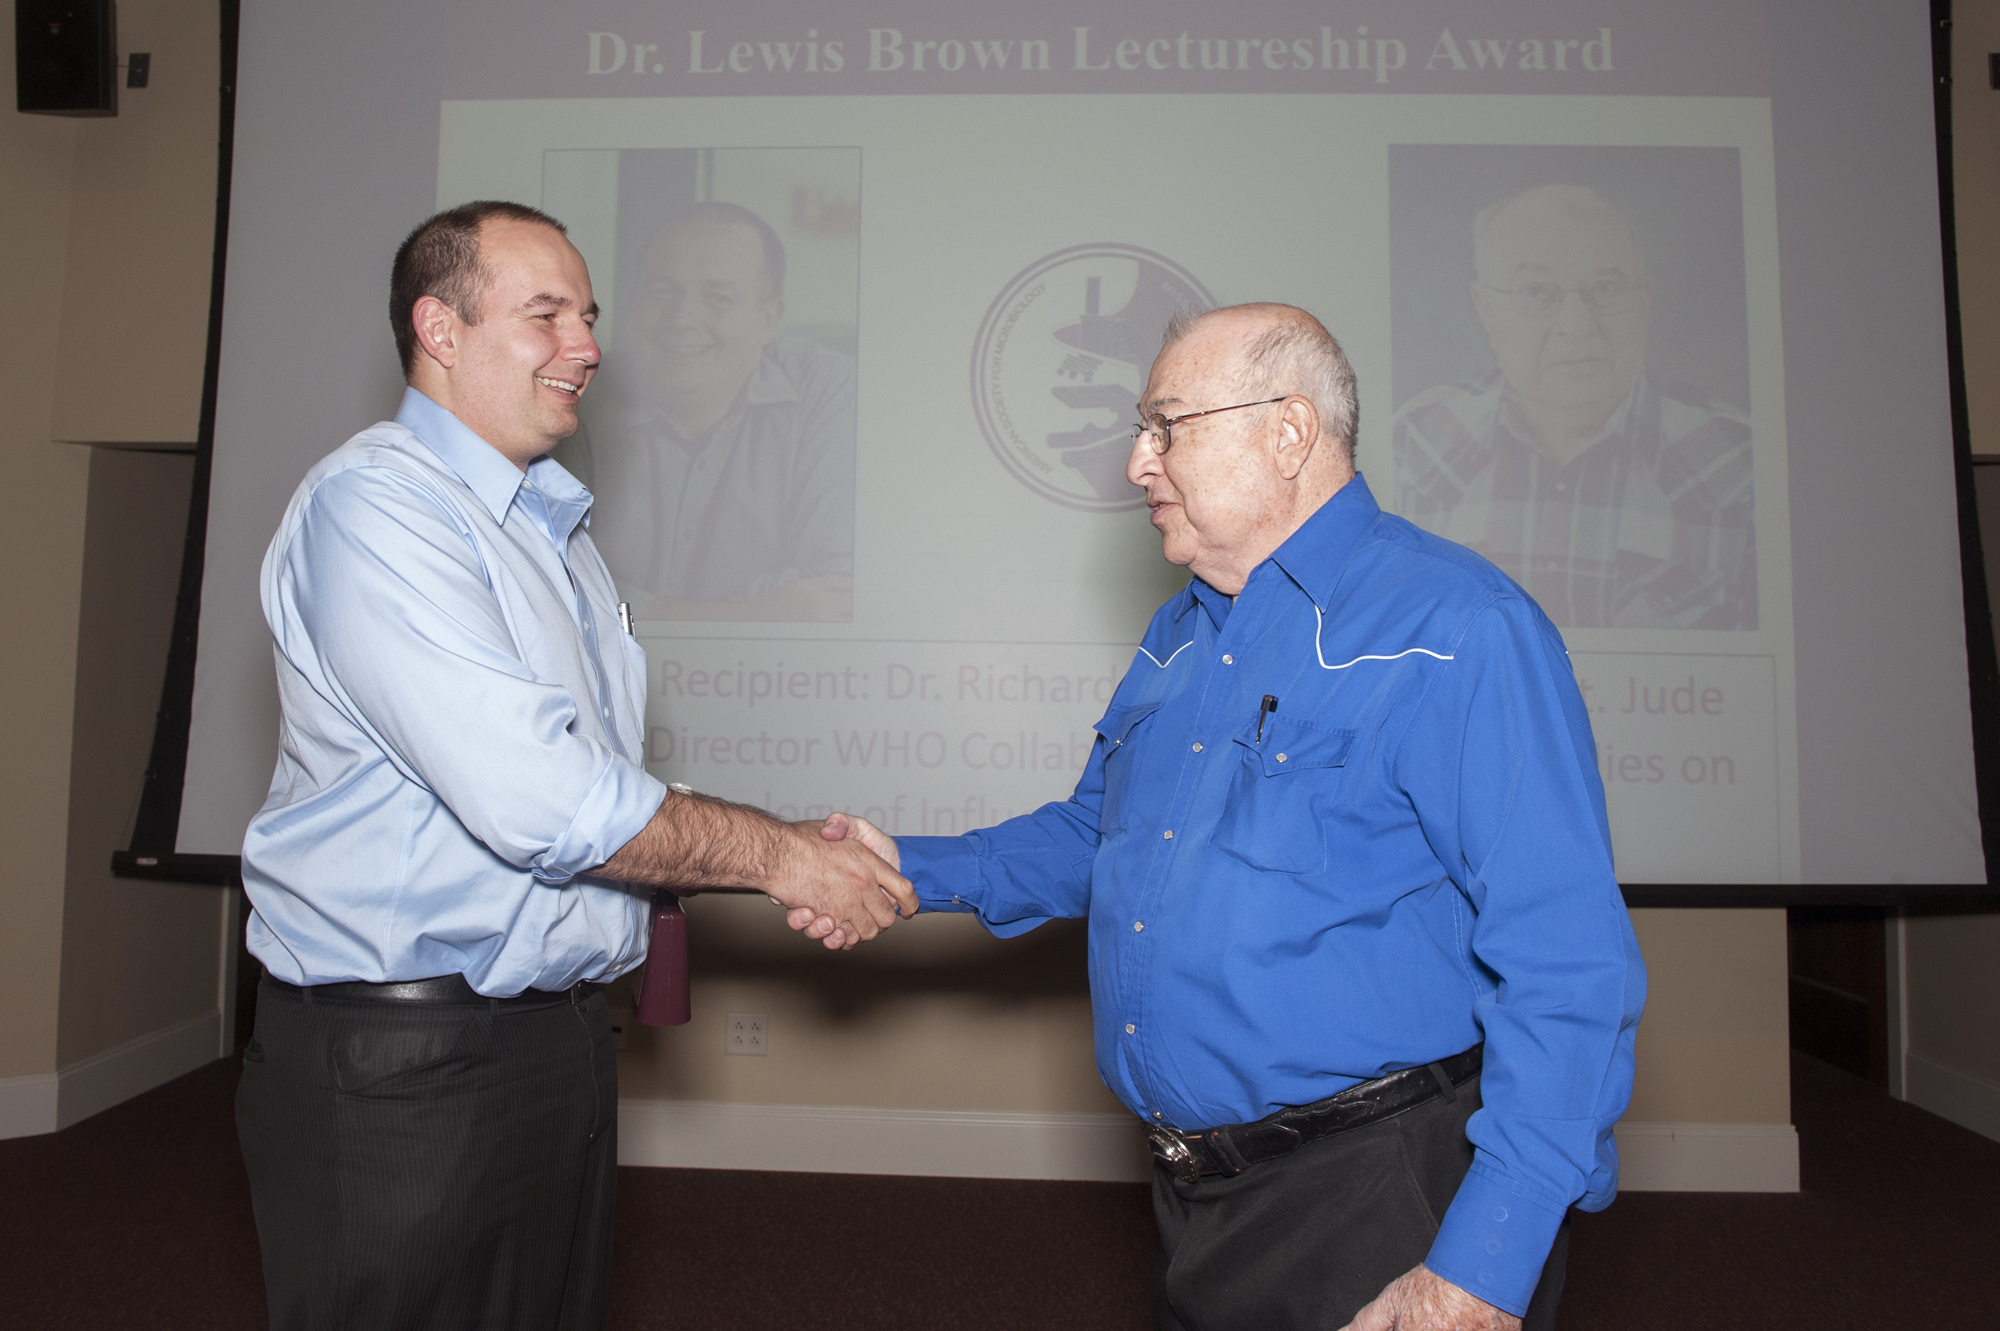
442	874
1357	954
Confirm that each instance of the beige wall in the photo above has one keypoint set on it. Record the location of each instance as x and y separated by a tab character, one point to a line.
938	1015
105	235
1715	1045
41	573
141	236
136	956
1954	1006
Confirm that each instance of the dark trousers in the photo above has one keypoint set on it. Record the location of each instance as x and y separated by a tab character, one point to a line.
1309	1239
435	1166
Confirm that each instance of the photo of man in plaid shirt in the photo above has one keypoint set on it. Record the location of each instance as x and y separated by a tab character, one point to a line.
1615	497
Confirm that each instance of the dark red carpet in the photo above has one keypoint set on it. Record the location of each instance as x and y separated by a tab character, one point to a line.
140	1217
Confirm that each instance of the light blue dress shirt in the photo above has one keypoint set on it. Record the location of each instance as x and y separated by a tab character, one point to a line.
1410	858
461	723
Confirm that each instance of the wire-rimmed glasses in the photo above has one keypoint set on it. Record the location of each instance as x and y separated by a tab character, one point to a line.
1159	429
1606	296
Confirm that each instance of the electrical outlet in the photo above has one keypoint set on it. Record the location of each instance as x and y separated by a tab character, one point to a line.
747	1033
621	1023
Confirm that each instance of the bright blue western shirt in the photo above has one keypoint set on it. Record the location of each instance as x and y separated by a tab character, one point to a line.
1411	858
460	723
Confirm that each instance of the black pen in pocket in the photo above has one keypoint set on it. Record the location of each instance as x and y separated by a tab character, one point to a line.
1264	709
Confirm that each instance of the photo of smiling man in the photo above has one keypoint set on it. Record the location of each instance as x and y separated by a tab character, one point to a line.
1613	489
720	438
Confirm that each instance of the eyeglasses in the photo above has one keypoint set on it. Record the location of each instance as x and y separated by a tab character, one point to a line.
1613	294
1158	430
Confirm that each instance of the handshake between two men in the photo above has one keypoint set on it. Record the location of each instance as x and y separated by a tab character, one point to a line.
837	878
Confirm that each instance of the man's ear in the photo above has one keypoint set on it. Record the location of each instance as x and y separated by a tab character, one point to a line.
1298	435
437	326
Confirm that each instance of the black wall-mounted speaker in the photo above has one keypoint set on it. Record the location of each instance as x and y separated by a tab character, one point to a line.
66	57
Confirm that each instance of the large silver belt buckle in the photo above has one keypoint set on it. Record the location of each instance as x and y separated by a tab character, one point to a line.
1174	1154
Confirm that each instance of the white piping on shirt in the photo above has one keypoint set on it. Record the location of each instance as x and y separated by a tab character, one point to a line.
1170	659
1318	651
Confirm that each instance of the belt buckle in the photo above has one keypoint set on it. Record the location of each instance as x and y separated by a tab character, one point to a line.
1171	1151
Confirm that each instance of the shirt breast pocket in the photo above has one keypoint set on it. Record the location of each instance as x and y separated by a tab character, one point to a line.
1274	818
1124	730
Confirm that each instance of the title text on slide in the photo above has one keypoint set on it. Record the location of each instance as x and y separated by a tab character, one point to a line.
890	51
1021	750
749	685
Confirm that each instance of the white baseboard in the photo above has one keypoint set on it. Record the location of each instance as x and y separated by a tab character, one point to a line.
1107	1148
28	1104
690	1134
1969	1101
48	1101
1708	1157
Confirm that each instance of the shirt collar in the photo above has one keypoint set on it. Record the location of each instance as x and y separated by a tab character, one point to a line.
494	480
1216	603
769	382
1315	555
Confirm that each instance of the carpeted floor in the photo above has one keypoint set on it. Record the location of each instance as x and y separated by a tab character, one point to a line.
141	1217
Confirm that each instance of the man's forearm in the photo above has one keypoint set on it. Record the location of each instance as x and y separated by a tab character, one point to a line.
697	841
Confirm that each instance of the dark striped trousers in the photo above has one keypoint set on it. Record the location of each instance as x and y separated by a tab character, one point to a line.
435	1166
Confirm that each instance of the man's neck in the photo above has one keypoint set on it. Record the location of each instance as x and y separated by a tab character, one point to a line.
1560	435
692	417
1307	500
438	389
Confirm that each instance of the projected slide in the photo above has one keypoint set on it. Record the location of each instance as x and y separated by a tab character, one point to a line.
877	311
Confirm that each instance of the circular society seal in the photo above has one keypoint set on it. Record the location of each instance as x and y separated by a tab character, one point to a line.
1059	363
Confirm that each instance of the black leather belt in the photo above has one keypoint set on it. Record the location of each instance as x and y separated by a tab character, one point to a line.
443	989
1234	1147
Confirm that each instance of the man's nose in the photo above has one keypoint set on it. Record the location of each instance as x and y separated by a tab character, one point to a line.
1573	317
582	347
1142	462
685	313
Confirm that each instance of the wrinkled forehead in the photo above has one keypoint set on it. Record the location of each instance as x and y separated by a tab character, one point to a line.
1554	237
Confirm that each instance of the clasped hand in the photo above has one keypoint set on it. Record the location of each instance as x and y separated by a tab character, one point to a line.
892	898
1420	1300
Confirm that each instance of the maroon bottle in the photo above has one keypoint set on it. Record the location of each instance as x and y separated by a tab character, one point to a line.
663	995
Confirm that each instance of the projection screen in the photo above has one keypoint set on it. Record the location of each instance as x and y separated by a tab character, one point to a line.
984	220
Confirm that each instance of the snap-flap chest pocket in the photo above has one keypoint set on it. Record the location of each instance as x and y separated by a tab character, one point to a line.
1275	814
1124	730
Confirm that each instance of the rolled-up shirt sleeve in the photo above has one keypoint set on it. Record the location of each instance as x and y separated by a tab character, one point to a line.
385	608
1501	769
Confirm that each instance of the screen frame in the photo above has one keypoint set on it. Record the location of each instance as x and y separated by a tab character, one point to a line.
151	852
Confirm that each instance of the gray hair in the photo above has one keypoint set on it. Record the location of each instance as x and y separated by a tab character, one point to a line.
1573	201
1295	355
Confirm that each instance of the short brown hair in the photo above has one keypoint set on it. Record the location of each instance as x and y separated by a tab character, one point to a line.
441	258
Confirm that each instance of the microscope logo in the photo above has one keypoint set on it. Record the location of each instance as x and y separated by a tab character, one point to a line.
1061	358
